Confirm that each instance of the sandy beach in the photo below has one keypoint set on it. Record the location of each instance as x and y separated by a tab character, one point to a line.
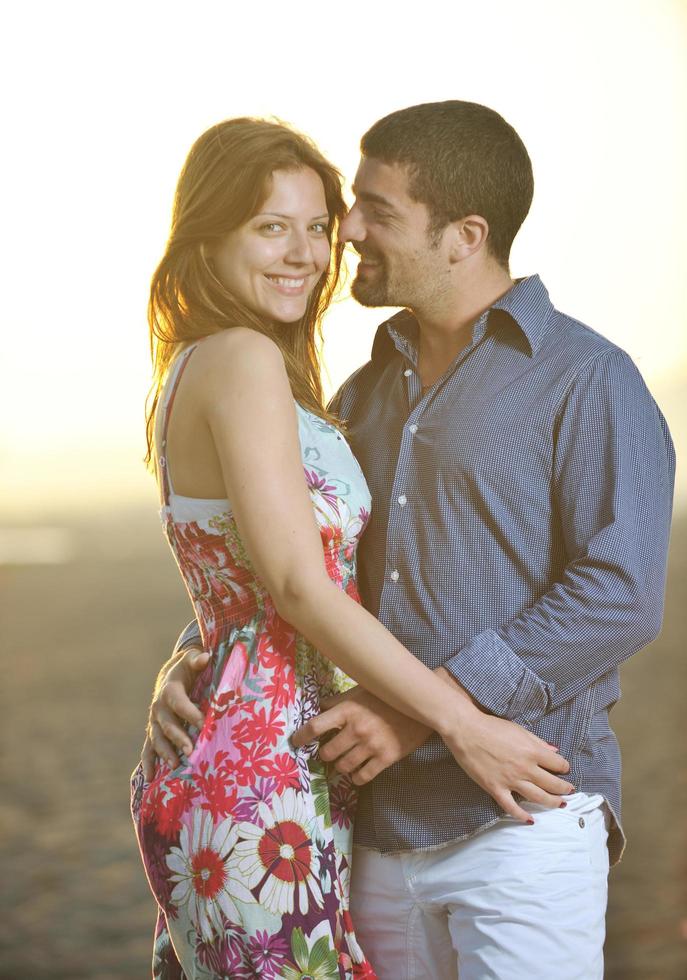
82	639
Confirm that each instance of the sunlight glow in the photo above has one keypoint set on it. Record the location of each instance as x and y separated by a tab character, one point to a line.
106	100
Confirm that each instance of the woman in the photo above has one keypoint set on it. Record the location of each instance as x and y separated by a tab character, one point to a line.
241	844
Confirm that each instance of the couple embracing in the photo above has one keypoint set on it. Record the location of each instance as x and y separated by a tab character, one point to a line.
383	748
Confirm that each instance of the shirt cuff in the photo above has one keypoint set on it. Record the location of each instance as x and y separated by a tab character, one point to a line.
189	638
499	680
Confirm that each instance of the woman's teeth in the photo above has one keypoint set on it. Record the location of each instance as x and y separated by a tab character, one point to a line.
283	281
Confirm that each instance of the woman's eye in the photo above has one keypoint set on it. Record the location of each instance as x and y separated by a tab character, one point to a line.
319	228
271	226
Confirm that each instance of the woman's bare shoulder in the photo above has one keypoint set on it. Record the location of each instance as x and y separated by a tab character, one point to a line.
237	346
238	365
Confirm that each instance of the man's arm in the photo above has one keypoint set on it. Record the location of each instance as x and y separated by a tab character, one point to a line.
189	637
613	476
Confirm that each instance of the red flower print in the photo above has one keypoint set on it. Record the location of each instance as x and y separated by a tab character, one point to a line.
204	885
278	862
277	645
215	708
219	799
151	801
211	570
258	727
281	689
253	761
363	971
237	835
164	802
209	872
332	537
284	769
285	850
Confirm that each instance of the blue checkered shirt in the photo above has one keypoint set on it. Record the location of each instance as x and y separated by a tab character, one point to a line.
519	532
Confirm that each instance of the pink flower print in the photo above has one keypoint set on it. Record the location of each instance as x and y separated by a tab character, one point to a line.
342	800
247	807
224	956
267	953
320	485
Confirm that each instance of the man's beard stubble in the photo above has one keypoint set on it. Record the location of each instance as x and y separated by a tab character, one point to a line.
375	293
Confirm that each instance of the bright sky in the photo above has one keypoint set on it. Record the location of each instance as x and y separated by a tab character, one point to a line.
104	100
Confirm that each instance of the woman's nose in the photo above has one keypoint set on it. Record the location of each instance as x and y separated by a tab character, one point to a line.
300	249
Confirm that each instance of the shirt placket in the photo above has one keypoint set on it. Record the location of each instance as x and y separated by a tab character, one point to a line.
405	481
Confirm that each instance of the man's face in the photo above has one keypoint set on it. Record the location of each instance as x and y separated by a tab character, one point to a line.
400	264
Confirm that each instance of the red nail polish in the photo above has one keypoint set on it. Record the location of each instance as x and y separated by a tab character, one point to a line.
530	823
562	804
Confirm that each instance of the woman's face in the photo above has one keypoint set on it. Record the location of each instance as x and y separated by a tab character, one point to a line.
272	263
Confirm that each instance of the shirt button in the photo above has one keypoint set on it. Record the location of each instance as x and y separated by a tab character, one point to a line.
408	372
412	428
403	500
394	576
581	822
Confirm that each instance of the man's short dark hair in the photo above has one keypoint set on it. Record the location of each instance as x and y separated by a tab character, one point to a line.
462	158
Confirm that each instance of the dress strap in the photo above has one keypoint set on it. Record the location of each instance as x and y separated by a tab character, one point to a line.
178	367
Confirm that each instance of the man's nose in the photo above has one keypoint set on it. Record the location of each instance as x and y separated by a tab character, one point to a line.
352	228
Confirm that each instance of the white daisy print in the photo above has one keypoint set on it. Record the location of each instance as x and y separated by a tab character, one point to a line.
205	886
280	858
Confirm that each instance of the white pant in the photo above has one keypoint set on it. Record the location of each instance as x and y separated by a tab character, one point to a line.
516	902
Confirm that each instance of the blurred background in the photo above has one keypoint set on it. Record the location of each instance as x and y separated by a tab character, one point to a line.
102	102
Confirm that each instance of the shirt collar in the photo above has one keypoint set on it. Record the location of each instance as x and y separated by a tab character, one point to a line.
527	304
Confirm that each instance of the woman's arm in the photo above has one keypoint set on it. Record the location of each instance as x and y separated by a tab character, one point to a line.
244	395
248	405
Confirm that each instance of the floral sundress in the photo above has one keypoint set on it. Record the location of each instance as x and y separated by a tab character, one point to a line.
247	843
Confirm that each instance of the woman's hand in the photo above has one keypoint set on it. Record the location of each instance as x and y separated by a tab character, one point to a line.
504	758
171	708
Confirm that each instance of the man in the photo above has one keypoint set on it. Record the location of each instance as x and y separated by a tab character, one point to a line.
521	478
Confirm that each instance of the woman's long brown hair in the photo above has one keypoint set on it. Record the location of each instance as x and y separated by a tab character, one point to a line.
223	183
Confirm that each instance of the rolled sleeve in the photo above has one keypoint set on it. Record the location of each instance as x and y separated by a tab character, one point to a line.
499	679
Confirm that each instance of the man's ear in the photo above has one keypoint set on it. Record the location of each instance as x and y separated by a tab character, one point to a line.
467	236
